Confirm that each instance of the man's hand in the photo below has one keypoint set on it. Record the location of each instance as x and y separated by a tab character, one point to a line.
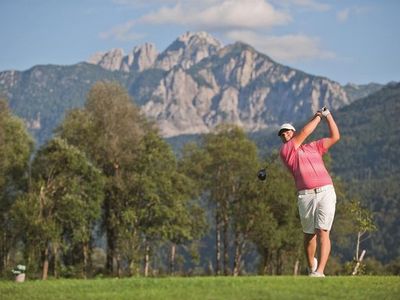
324	111
318	114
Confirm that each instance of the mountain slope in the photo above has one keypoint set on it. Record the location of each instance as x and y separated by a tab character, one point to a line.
370	131
367	159
355	91
42	94
237	85
192	86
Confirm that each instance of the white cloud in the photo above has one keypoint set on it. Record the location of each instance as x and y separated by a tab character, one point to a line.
313	5
287	48
235	19
343	15
211	15
222	15
164	2
122	32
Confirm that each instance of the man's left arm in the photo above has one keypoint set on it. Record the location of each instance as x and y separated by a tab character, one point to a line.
333	129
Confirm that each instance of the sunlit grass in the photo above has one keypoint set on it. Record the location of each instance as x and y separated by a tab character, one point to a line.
204	288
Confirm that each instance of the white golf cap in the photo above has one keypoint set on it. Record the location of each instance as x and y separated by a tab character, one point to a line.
286	126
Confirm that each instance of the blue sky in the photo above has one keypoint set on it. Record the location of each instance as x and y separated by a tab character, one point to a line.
346	40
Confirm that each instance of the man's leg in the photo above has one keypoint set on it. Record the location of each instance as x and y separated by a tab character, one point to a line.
325	249
324	219
310	246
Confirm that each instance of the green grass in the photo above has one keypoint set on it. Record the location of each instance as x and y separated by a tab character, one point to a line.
207	288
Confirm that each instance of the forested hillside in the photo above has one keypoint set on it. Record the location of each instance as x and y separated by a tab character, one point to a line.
355	92
43	94
367	159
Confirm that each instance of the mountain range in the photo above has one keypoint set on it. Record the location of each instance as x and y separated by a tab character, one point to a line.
193	85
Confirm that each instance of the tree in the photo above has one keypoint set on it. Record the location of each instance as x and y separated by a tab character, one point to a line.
363	224
109	130
62	205
275	230
16	146
163	195
192	164
228	161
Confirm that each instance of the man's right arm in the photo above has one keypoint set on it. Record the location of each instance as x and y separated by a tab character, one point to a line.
334	132
309	128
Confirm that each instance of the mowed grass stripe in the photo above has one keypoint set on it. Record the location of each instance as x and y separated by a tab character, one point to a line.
208	288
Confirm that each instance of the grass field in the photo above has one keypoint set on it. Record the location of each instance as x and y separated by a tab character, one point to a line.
207	288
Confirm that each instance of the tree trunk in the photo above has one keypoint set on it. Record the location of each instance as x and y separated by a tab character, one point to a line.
358	263
55	259
226	243
172	259
217	244
278	268
265	261
146	260
238	256
131	264
2	253
133	268
358	245
45	263
110	255
119	267
85	252
296	267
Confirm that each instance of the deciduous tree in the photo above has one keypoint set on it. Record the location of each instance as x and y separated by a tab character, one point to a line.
109	129
16	146
62	204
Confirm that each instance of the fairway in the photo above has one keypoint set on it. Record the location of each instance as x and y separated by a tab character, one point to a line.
204	288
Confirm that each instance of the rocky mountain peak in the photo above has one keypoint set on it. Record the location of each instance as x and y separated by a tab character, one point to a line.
187	50
141	58
111	60
196	38
236	85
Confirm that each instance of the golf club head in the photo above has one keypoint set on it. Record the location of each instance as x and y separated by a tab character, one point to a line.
262	174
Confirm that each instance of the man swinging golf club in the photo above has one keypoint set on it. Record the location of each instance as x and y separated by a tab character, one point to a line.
316	195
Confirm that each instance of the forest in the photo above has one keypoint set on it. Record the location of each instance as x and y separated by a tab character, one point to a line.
107	196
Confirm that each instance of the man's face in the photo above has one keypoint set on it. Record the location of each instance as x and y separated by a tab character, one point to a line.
286	135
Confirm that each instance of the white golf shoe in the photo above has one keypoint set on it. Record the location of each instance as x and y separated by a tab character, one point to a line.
317	274
314	267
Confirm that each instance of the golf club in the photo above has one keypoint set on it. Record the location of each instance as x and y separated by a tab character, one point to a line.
262	174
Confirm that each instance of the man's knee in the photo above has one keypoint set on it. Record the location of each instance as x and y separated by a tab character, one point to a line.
323	234
308	237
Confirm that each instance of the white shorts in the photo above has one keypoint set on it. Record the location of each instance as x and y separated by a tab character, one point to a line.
317	208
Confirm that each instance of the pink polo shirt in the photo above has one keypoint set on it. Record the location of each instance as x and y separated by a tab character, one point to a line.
306	164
